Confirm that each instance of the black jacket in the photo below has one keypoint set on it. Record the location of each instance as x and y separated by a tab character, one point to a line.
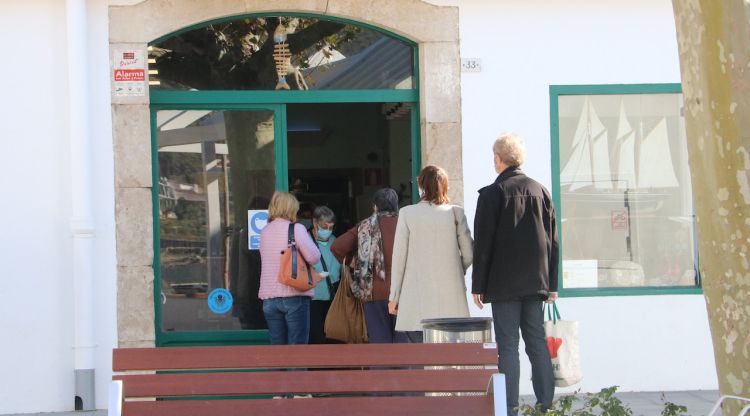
515	239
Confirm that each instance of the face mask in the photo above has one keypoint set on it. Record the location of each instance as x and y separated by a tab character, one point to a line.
324	234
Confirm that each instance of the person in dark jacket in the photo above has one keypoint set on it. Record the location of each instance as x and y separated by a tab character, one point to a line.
370	242
515	267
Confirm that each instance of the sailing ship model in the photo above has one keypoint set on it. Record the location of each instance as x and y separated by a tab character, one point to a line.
642	162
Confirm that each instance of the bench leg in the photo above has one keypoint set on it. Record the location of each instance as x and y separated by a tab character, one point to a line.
115	398
496	389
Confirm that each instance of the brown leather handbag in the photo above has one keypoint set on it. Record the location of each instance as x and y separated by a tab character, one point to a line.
346	316
294	270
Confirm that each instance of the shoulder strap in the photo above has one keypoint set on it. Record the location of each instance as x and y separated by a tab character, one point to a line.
323	263
293	246
322	260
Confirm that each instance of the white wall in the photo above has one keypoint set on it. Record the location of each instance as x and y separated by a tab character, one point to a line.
639	343
636	342
105	265
36	310
36	295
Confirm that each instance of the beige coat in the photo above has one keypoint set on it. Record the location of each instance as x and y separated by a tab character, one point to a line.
431	252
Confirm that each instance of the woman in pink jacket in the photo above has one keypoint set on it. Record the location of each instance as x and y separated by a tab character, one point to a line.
287	310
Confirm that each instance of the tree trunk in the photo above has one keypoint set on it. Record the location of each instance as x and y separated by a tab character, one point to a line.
714	46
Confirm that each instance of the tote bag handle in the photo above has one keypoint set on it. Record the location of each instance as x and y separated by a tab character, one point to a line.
553	314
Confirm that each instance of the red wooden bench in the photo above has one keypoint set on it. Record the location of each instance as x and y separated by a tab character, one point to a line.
364	379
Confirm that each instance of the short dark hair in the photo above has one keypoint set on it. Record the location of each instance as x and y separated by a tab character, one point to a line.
386	200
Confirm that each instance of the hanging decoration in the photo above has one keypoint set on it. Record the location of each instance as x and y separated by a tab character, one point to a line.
282	58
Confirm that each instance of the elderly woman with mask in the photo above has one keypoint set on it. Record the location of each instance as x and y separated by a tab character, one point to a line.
370	243
323	221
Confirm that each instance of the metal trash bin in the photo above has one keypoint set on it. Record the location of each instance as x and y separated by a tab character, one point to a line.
457	330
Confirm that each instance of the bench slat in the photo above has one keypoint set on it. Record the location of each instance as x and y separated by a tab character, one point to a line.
302	356
352	406
276	382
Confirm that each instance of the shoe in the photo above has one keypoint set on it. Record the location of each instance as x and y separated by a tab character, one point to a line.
303	396
278	397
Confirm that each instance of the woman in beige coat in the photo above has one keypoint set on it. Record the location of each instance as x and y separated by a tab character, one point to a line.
431	252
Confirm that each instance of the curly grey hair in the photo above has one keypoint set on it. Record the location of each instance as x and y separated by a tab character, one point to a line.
511	149
324	214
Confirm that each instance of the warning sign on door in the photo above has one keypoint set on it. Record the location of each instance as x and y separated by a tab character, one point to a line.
129	73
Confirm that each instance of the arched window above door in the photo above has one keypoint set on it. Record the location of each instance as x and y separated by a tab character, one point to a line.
281	52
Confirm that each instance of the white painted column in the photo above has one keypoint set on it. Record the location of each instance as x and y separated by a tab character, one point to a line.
82	220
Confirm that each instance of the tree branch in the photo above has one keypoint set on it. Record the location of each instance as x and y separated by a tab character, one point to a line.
307	37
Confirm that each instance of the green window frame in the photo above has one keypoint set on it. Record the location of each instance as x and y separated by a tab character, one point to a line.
275	101
555	92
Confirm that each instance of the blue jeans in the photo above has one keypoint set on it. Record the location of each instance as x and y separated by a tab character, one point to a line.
524	313
288	319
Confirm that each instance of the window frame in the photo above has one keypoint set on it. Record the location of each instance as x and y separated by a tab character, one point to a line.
555	91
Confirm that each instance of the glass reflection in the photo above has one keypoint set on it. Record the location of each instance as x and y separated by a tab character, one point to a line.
266	53
213	167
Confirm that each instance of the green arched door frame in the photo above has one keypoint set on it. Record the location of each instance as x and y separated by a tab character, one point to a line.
275	101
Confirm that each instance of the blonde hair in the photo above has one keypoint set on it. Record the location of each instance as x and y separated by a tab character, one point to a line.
283	205
511	149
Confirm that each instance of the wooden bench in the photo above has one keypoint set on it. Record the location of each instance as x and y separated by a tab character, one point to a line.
364	379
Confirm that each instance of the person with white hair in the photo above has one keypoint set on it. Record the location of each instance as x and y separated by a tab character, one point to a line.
516	256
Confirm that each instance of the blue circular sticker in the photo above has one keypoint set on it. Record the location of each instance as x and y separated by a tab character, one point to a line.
220	301
258	221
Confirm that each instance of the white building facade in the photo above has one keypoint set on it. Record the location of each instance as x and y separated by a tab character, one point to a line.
84	213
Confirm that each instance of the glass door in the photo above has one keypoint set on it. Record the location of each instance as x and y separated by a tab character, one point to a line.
213	165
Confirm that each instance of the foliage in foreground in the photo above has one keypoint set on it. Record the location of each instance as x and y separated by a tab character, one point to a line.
602	403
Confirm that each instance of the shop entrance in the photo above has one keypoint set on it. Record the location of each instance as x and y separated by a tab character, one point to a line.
217	166
245	106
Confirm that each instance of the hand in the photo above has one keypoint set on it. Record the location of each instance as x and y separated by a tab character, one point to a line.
479	300
393	308
552	297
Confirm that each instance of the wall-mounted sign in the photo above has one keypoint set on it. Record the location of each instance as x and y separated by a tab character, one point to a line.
471	65
256	221
129	73
220	301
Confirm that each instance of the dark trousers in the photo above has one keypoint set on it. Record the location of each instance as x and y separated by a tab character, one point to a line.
524	313
318	313
381	325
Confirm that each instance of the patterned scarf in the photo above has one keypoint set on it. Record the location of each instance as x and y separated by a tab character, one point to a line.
370	259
